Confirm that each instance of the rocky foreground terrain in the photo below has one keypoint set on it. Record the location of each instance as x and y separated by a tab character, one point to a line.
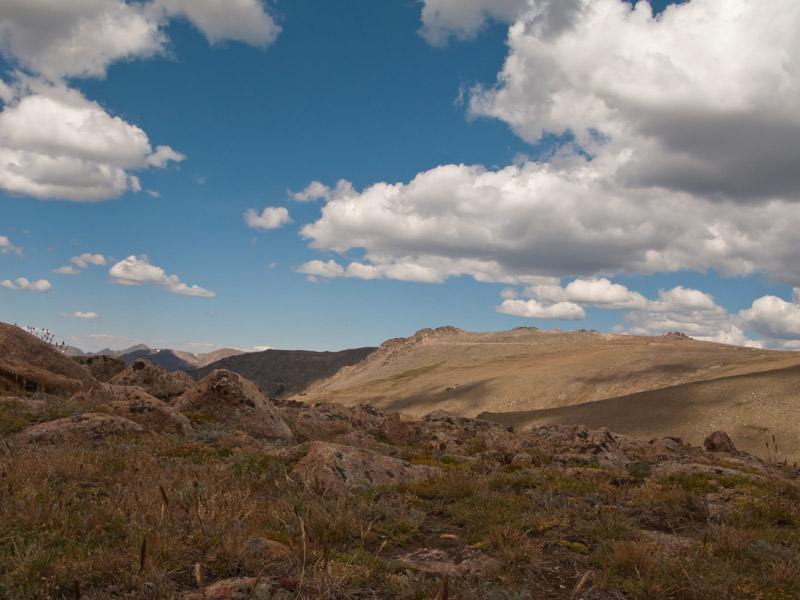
135	482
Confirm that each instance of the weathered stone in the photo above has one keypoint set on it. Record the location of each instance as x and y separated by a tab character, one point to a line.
335	468
155	380
718	441
102	366
230	399
403	432
269	549
28	363
90	427
239	588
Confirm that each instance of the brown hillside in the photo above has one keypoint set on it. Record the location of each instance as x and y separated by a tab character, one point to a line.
752	408
527	369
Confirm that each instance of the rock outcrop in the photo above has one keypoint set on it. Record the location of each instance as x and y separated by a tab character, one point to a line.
28	363
719	441
89	427
335	469
137	405
229	398
155	380
102	366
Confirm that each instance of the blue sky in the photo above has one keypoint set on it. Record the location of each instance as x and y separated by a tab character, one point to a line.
323	175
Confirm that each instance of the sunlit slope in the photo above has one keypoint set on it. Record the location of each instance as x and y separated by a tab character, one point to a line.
527	369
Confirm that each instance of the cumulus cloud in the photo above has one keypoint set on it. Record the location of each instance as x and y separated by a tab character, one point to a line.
262	348
314	191
137	270
773	317
463	19
82	315
242	20
85	259
539	310
23	284
67	270
272	217
6	246
54	143
593	292
701	99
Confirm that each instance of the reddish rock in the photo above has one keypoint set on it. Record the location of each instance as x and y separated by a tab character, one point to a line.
28	363
334	468
719	441
155	380
90	427
230	399
403	432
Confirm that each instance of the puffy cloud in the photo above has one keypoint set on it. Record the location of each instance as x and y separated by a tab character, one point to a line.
595	292
272	217
773	317
86	258
54	143
262	348
558	219
796	295
77	38
321	269
241	20
6	246
463	19
314	191
82	315
137	270
28	286
67	270
538	310
701	99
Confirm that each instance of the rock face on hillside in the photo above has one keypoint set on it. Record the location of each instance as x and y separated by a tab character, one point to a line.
155	380
90	427
335	468
137	405
102	366
233	400
28	363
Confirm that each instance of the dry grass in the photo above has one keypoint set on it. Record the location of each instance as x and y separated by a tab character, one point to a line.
153	517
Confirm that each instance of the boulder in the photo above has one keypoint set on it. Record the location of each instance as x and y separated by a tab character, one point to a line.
403	432
230	399
238	588
102	366
28	363
137	405
335	468
155	380
718	441
90	427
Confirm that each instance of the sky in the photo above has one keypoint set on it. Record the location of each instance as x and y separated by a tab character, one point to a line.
198	174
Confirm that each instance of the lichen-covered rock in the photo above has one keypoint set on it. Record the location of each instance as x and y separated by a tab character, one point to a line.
719	441
90	427
102	366
238	588
155	380
28	363
335	468
230	399
403	432
137	405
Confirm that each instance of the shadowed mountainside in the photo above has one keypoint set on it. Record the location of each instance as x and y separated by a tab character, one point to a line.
285	371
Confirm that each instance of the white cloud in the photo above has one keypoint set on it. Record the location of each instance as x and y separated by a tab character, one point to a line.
54	143
85	259
272	217
773	317
23	284
6	246
242	20
82	315
137	270
463	19
67	270
538	310
314	191
262	348
322	269
77	38
796	295
701	99
592	292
